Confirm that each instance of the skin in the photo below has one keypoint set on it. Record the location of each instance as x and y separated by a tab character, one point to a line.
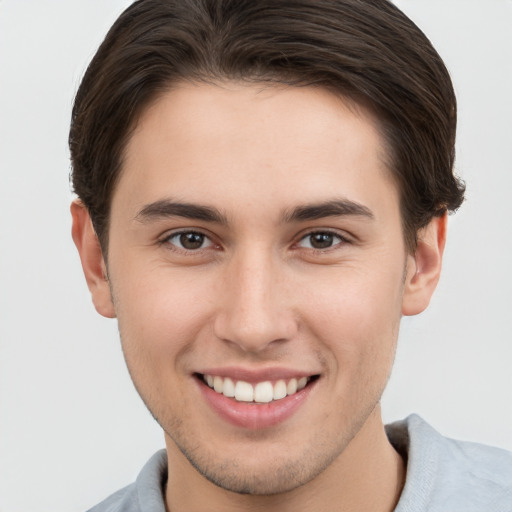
256	294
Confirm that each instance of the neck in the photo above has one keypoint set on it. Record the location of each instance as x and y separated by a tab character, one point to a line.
368	475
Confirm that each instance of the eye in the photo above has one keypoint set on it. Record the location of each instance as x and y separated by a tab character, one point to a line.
189	240
320	240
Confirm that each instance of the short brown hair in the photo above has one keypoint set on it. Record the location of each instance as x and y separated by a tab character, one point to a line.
365	50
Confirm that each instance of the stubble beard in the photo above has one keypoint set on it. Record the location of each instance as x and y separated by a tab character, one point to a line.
278	475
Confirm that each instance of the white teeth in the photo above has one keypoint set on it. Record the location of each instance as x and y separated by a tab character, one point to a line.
244	392
229	388
218	384
279	390
262	392
291	388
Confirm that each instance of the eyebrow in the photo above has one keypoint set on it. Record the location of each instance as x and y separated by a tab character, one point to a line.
165	208
334	208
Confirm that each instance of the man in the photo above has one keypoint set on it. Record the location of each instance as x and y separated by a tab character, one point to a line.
263	190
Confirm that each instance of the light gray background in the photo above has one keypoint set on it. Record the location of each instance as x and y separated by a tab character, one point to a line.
72	428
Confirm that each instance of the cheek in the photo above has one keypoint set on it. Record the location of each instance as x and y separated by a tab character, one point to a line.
357	316
160	318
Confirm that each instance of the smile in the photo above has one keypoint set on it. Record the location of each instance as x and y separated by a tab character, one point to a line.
261	392
255	400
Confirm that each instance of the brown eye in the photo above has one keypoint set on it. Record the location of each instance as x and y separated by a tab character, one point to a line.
321	240
189	240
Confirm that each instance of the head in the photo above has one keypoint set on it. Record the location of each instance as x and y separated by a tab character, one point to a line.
263	189
368	52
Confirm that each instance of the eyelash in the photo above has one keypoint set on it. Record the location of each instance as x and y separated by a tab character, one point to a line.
342	240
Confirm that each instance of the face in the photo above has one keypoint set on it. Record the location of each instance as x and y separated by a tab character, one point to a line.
258	273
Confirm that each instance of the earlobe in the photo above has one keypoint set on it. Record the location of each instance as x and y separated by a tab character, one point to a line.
424	267
91	256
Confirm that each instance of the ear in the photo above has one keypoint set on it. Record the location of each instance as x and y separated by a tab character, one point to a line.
424	266
93	263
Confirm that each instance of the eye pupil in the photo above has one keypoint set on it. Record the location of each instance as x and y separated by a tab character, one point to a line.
321	240
191	240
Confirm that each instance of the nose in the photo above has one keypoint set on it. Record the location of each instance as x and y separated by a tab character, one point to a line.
255	310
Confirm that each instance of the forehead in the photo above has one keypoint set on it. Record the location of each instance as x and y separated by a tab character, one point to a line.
257	142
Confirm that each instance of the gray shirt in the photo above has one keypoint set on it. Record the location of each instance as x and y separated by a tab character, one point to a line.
443	475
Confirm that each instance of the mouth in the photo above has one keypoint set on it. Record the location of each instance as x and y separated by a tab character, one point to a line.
263	392
255	401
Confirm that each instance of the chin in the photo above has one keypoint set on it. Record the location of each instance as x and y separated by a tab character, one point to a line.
256	482
261	472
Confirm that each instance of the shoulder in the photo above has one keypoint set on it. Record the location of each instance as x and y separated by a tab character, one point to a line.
146	493
445	474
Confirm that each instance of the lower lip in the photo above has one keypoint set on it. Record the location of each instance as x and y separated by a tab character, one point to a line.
252	415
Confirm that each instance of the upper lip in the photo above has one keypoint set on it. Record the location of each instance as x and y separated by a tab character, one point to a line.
252	375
